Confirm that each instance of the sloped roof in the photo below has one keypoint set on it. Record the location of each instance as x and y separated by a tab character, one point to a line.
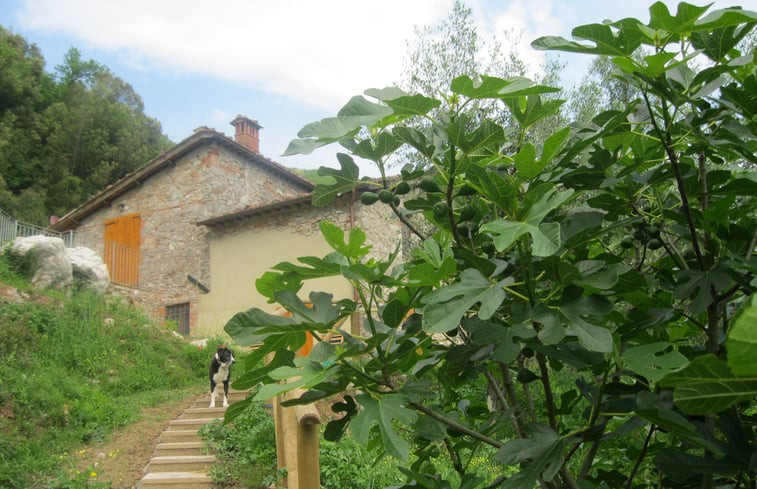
202	136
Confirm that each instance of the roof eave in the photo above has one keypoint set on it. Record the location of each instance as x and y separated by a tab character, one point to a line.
257	211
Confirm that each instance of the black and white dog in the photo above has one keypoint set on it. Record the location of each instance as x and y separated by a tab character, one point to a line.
220	372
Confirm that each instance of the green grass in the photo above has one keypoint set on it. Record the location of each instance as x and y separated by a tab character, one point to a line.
70	376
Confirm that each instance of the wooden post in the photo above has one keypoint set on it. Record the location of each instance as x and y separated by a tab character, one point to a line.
297	442
297	431
355	324
278	423
308	466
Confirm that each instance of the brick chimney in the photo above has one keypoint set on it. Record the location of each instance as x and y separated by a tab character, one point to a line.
247	133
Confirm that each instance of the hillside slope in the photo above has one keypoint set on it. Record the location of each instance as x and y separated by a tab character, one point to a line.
74	369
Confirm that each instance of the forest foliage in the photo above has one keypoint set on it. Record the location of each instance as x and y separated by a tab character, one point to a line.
67	134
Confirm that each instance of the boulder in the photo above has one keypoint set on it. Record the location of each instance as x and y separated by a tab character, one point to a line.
89	269
51	268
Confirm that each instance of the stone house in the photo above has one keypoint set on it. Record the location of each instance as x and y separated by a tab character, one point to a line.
187	235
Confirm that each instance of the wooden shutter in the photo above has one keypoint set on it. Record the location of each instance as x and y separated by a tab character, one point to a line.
122	237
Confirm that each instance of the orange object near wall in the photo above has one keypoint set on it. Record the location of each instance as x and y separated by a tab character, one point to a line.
122	240
304	349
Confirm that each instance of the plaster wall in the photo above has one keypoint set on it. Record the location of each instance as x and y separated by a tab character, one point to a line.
241	251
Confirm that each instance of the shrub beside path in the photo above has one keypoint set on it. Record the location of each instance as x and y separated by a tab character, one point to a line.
180	459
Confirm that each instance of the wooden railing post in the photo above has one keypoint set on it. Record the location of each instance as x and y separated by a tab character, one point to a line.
297	442
308	465
297	431
297	437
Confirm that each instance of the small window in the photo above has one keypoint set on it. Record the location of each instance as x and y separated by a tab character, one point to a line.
179	313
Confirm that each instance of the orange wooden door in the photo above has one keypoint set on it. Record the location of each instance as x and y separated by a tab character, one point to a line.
122	237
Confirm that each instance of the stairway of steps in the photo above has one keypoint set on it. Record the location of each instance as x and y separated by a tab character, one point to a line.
180	460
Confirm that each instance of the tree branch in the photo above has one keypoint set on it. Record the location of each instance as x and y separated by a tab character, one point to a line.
673	158
549	398
455	458
501	398
407	223
642	454
454	424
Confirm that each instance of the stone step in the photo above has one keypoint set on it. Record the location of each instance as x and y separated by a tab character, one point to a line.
179	436
181	463
203	413
233	397
181	448
189	424
180	460
176	480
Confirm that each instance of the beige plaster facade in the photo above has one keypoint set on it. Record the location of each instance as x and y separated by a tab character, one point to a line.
244	247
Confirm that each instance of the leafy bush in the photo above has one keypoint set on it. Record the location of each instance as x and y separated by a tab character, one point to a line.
347	463
15	268
246	450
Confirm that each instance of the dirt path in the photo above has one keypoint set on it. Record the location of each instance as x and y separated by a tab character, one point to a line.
121	458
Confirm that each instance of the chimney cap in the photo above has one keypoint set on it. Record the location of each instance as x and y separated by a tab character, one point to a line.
244	118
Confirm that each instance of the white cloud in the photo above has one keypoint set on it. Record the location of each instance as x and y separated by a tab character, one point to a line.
314	52
220	119
515	23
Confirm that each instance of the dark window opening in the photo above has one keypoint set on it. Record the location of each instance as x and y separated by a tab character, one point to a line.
179	313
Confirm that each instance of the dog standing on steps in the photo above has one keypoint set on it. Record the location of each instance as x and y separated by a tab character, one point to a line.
220	372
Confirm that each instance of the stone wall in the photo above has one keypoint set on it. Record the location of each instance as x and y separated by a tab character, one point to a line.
210	181
382	228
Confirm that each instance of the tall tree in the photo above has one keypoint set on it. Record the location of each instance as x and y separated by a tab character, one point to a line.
65	136
599	90
22	79
98	131
455	47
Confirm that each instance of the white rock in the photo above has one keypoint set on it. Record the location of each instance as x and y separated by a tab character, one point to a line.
51	267
89	268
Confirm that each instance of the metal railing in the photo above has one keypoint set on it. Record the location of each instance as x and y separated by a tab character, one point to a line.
11	228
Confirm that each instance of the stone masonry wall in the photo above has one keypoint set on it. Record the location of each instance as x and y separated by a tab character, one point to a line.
208	182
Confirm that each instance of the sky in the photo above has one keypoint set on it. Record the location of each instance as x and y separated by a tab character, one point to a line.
284	63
